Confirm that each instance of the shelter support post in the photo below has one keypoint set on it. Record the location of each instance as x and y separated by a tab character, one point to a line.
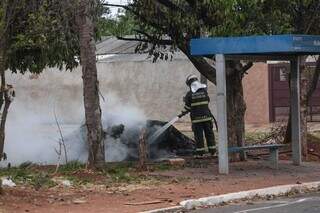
295	111
222	114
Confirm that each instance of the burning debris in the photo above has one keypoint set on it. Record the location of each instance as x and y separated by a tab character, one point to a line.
169	144
122	142
115	131
172	141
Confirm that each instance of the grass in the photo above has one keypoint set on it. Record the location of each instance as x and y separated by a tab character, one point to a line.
255	137
127	172
314	136
71	167
113	173
29	176
121	173
162	167
42	179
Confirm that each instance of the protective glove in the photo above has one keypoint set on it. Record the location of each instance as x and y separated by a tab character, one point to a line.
183	113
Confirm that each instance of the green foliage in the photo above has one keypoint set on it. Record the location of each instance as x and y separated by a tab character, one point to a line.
303	15
25	165
113	174
42	179
182	20
2	19
127	172
39	34
43	35
120	174
314	137
71	167
251	17
252	138
162	167
25	174
122	25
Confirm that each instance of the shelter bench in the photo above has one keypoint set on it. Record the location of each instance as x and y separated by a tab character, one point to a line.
273	148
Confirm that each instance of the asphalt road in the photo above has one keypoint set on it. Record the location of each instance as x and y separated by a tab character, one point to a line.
309	203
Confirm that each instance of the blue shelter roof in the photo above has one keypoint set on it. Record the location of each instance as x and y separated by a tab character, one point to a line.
257	45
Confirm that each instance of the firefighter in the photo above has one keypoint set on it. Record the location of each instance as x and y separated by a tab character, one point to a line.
197	103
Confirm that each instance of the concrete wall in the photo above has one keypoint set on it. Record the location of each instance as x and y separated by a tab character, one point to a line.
155	88
256	94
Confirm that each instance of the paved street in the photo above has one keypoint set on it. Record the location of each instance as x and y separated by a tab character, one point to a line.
303	203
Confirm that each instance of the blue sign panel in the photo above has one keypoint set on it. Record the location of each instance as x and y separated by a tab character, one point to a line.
274	44
306	43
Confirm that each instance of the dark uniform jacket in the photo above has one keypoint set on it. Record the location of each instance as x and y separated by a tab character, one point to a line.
197	104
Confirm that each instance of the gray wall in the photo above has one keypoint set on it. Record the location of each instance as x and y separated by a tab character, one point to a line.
156	88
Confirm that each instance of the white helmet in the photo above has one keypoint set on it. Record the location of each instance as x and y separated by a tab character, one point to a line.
191	78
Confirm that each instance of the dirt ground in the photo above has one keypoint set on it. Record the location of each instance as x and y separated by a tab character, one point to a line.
198	179
161	188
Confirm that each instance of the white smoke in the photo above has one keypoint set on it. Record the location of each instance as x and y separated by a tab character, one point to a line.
115	150
32	134
115	113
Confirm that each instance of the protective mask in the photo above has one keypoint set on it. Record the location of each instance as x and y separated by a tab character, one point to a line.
196	85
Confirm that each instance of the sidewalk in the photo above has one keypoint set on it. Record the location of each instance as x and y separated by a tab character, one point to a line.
243	176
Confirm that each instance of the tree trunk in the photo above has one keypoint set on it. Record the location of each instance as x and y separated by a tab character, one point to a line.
4	101
95	138
7	103
1	103
143	150
287	138
304	111
236	108
308	86
2	70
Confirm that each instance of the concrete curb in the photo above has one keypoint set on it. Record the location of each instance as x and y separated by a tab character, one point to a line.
219	199
270	191
163	210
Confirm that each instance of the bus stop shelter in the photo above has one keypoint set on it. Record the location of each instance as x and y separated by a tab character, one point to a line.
257	48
